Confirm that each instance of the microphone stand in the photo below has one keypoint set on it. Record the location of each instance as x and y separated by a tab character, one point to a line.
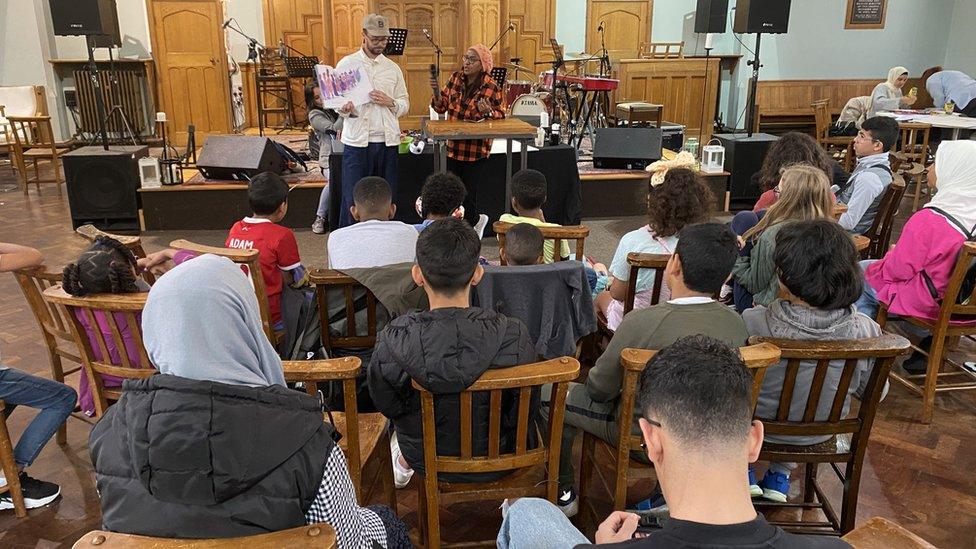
509	28
604	54
253	46
437	50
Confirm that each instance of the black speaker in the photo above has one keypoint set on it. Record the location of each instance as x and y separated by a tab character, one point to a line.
83	17
744	156
238	157
766	16
102	186
626	148
710	16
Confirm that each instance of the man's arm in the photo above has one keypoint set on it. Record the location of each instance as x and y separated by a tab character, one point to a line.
867	187
15	256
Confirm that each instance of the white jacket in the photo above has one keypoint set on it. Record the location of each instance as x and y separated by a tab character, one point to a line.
386	77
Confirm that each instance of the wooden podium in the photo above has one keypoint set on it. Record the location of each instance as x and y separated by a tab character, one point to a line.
442	131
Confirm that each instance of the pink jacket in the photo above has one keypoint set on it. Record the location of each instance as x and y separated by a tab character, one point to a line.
928	242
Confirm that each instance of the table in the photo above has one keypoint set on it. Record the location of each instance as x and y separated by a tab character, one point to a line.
945	121
564	204
509	129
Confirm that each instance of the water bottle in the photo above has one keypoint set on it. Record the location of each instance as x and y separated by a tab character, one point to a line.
691	145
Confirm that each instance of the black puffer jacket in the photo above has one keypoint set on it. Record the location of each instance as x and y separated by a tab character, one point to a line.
447	350
177	457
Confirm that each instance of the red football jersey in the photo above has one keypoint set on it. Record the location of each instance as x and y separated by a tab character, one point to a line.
278	252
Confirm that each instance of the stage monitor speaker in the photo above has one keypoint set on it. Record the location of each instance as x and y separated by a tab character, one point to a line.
626	148
238	157
83	17
765	16
744	156
102	186
710	16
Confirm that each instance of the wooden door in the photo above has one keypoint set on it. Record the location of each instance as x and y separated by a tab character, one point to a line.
188	46
535	24
626	23
342	24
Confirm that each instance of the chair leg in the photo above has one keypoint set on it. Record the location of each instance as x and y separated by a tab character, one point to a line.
936	353
433	519
10	467
810	478
57	174
386	464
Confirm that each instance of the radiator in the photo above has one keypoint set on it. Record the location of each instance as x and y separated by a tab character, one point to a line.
127	88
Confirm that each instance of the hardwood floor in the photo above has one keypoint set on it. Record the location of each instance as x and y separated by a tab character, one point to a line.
919	476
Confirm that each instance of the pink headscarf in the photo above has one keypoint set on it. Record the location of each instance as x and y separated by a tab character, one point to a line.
486	61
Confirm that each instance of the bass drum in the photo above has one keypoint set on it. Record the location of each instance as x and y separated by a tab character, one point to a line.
529	105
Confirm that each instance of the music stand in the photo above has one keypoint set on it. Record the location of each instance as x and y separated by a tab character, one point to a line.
396	43
300	66
498	74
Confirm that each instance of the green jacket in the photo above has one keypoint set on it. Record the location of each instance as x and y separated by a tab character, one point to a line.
756	272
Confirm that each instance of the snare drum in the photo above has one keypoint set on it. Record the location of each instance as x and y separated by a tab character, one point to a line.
516	88
528	105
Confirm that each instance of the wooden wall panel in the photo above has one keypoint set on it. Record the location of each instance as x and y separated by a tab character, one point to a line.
678	84
535	24
793	97
342	28
627	23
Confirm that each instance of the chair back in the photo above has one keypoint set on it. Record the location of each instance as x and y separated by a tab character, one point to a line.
757	358
661	50
53	319
31	132
133	243
881	533
329	283
822	120
556	234
880	231
914	142
313	535
638	261
250	261
959	301
115	314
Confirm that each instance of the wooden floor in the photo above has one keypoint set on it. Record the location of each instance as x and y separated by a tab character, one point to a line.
923	477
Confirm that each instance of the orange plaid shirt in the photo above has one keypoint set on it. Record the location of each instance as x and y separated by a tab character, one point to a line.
457	107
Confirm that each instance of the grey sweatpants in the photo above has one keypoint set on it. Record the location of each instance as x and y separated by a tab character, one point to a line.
533	523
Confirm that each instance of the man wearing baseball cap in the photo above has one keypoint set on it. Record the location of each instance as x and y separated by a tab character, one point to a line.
371	132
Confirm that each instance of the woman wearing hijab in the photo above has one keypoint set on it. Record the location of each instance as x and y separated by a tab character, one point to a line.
216	445
912	277
887	95
470	94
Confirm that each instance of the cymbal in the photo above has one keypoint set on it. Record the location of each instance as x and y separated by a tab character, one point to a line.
581	56
518	67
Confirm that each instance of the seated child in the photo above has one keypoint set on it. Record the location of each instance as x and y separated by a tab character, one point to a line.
442	196
524	245
445	349
267	194
528	198
819	280
375	239
681	199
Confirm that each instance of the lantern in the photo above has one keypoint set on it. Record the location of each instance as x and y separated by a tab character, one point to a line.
713	157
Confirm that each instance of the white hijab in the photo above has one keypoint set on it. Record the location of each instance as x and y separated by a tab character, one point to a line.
893	75
955	172
202	322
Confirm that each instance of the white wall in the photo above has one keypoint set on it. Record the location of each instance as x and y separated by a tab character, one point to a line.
133	26
961	49
26	44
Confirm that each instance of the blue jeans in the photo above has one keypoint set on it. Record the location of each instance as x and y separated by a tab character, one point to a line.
323	209
55	401
533	523
868	303
359	162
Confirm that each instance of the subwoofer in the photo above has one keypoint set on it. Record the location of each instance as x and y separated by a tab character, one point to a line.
710	16
87	17
765	16
102	186
238	157
744	156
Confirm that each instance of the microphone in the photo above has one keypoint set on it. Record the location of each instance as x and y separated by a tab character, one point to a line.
282	52
227	23
511	25
427	34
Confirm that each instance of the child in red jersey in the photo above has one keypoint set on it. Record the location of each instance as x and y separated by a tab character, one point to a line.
268	195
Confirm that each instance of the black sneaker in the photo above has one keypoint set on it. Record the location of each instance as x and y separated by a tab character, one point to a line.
37	493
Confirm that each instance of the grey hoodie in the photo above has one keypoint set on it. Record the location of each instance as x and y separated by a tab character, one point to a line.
785	320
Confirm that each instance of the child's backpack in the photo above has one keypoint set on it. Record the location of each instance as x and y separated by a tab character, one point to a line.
969	282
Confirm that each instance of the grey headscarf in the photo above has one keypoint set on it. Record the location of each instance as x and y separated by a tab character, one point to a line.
202	322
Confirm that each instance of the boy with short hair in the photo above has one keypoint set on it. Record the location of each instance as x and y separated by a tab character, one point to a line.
267	194
441	197
375	239
871	176
820	281
702	261
529	188
524	245
445	349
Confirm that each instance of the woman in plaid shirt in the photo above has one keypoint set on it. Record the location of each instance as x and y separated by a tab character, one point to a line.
471	94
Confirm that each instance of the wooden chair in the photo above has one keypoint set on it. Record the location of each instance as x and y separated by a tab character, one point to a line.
55	324
637	261
118	311
950	326
133	243
9	467
881	533
617	453
835	146
881	351
914	151
250	260
556	234
364	436
661	50
34	141
526	480
314	535
879	233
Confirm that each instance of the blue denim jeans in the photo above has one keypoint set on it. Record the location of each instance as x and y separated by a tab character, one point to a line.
533	523
55	401
359	162
323	209
868	303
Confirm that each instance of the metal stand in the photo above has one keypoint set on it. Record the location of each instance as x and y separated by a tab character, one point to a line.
99	98
753	85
